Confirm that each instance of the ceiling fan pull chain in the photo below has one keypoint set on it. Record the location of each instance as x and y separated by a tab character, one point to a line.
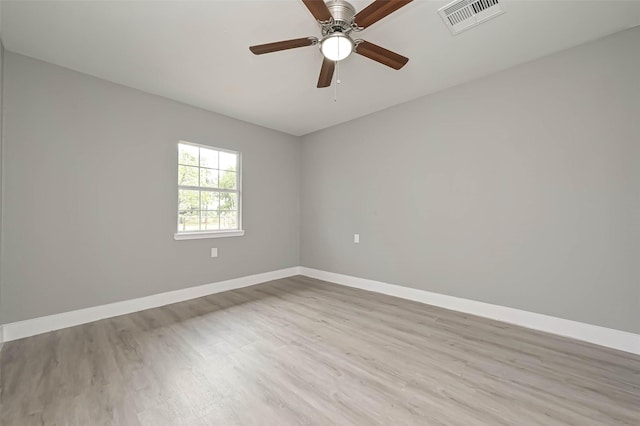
335	93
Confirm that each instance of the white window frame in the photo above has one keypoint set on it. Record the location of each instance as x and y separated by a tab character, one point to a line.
195	235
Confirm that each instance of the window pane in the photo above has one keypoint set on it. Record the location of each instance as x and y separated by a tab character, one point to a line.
228	201
229	220
187	154
208	158
209	221
228	161
188	221
209	200
228	180
211	172
187	175
188	200
209	178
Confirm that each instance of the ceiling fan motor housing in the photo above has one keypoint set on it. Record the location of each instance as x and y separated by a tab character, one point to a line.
343	13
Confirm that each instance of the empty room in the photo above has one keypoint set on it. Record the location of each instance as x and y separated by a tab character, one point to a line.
308	212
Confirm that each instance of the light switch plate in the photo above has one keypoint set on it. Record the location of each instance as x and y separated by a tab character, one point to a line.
356	238
214	252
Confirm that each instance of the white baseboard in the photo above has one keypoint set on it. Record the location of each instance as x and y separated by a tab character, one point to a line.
621	340
30	327
616	339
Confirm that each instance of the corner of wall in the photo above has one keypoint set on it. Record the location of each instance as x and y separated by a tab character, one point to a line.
1	177
300	139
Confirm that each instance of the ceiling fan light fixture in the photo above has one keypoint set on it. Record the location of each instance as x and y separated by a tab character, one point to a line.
336	46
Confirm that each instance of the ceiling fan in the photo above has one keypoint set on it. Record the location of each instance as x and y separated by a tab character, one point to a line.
338	20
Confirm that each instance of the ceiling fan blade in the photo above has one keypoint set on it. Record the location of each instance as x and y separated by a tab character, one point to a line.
382	55
378	10
326	73
283	45
318	9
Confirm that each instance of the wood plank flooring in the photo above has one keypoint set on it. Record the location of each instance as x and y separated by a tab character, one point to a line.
302	351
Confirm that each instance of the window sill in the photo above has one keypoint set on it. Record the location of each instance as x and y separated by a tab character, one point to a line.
200	235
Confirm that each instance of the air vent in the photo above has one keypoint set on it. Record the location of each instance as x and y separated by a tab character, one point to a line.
464	14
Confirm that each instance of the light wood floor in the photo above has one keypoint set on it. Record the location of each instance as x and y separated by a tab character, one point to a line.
301	351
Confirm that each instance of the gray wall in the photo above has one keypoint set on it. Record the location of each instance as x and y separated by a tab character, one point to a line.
521	189
90	193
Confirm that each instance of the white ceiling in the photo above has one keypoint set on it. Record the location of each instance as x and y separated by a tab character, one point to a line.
197	52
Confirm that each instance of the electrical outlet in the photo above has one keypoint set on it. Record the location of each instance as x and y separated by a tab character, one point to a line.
214	252
356	238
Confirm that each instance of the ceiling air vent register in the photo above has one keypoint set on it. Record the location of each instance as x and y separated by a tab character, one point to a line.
464	14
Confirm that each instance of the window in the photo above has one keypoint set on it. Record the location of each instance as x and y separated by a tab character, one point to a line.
209	196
